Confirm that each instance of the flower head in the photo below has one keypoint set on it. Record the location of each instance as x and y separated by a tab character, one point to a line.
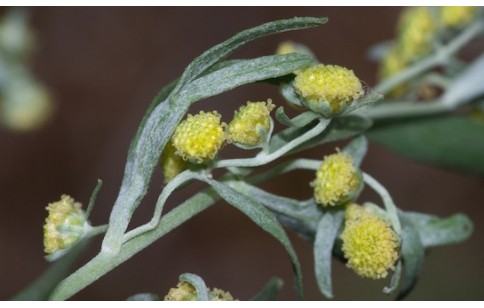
198	138
392	64
184	291
337	180
171	163
328	89
369	243
244	127
455	16
65	224
416	29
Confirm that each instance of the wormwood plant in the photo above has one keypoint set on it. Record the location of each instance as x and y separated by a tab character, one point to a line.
374	240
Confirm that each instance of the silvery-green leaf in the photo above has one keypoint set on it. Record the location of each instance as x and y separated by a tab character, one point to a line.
467	86
326	234
435	231
269	291
357	149
143	297
220	51
198	283
287	91
264	219
395	280
412	254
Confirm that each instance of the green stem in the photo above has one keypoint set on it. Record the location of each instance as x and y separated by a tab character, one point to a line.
176	182
406	109
265	158
441	56
387	201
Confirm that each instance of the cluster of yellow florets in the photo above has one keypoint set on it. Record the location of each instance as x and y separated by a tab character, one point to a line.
455	16
337	180
199	137
369	243
243	128
416	29
171	163
328	89
184	291
64	225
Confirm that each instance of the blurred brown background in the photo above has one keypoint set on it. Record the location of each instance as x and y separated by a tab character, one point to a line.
105	64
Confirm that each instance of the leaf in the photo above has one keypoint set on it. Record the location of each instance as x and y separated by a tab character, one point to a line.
412	255
395	280
287	91
434	231
244	72
357	149
218	52
449	141
326	234
198	283
264	219
157	128
143	297
467	86
43	286
269	291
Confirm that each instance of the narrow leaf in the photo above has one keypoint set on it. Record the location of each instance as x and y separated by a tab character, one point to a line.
143	297
198	283
243	72
264	219
395	281
218	52
323	246
449	141
412	255
270	291
357	149
435	231
467	86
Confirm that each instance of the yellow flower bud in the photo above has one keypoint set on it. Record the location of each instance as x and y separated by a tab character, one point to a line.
328	89
65	224
416	29
243	128
25	105
198	138
186	292
183	292
171	163
392	64
337	180
369	243
455	16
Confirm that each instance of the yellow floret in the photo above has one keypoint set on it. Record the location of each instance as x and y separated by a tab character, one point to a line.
369	243
198	138
337	180
64	225
243	128
328	89
171	163
417	27
454	16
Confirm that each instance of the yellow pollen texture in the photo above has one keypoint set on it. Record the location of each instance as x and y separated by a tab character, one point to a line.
328	84
64	224
243	128
335	180
369	243
198	138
